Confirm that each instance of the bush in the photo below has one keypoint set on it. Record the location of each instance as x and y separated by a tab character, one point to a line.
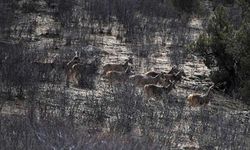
188	6
228	49
16	71
30	7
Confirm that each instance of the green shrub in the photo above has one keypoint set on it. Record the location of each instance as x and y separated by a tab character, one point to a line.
228	49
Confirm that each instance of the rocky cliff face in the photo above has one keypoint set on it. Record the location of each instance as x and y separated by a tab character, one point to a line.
51	31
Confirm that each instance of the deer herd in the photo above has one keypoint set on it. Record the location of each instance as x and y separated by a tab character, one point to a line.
154	84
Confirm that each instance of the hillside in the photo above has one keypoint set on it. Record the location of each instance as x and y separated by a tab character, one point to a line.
38	110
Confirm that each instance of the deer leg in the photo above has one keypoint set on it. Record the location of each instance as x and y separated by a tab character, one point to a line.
67	81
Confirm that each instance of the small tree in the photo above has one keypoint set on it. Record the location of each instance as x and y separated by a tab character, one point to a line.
227	49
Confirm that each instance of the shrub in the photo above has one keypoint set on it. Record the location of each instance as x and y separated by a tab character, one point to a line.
188	6
227	48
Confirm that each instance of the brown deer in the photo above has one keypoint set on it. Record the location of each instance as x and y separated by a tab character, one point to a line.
70	72
173	70
200	99
117	76
80	71
74	60
156	91
168	78
117	67
141	80
174	77
83	74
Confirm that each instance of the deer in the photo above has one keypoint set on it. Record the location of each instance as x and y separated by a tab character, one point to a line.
88	68
154	73
70	72
117	76
117	67
19	99
79	71
174	77
168	77
156	91
74	60
195	99
141	80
